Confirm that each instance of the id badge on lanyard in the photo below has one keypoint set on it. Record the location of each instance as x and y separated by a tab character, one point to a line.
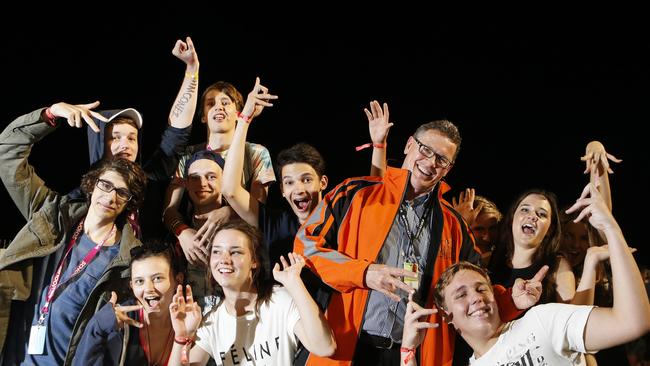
412	281
38	331
37	339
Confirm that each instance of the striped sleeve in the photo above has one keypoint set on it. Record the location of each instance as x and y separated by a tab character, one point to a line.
318	239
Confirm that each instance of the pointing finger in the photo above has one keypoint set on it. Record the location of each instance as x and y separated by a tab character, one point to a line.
539	276
90	122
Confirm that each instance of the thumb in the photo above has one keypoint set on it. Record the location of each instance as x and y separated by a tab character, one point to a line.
113	299
201	216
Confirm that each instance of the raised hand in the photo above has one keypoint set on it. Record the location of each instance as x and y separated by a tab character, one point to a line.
120	312
387	280
186	52
185	313
526	293
257	99
597	159
415	324
594	208
465	205
289	273
378	122
75	113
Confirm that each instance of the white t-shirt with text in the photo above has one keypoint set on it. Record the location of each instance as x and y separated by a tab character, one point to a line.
549	334
267	339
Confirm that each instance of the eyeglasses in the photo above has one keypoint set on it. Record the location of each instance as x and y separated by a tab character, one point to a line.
108	187
425	150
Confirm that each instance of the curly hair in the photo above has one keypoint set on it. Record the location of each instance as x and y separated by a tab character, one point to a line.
261	283
133	175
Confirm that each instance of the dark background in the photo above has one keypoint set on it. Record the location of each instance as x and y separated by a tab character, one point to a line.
528	93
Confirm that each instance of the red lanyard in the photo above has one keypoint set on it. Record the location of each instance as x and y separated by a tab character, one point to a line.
80	267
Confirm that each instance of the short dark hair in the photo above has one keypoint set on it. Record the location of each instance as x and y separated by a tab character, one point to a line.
228	89
446	128
448	275
204	155
300	153
123	120
133	175
157	248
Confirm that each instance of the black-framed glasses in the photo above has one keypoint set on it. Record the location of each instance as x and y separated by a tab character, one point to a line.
440	161
108	187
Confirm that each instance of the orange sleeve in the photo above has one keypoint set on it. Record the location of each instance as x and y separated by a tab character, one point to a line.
507	309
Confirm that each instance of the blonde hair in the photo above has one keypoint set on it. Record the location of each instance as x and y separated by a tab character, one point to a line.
489	207
448	275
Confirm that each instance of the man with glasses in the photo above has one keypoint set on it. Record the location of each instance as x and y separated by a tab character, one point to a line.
108	187
73	251
377	240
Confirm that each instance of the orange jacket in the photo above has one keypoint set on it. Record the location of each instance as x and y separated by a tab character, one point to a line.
344	235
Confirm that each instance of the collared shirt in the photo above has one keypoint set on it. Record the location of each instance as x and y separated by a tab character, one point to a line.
385	317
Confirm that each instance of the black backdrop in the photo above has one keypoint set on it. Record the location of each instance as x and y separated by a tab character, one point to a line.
526	93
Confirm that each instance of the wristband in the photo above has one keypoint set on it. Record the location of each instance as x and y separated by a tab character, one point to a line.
50	118
373	144
185	342
179	227
410	353
192	75
244	117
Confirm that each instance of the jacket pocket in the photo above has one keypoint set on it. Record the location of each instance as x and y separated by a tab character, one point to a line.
42	229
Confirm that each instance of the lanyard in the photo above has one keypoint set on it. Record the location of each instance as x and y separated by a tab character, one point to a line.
146	344
80	267
418	229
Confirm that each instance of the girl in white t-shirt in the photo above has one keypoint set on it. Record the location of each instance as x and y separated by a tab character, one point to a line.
255	322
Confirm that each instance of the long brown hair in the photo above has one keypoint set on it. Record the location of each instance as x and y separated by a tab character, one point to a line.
261	282
546	253
550	244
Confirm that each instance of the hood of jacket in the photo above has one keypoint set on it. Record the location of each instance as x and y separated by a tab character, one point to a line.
96	140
